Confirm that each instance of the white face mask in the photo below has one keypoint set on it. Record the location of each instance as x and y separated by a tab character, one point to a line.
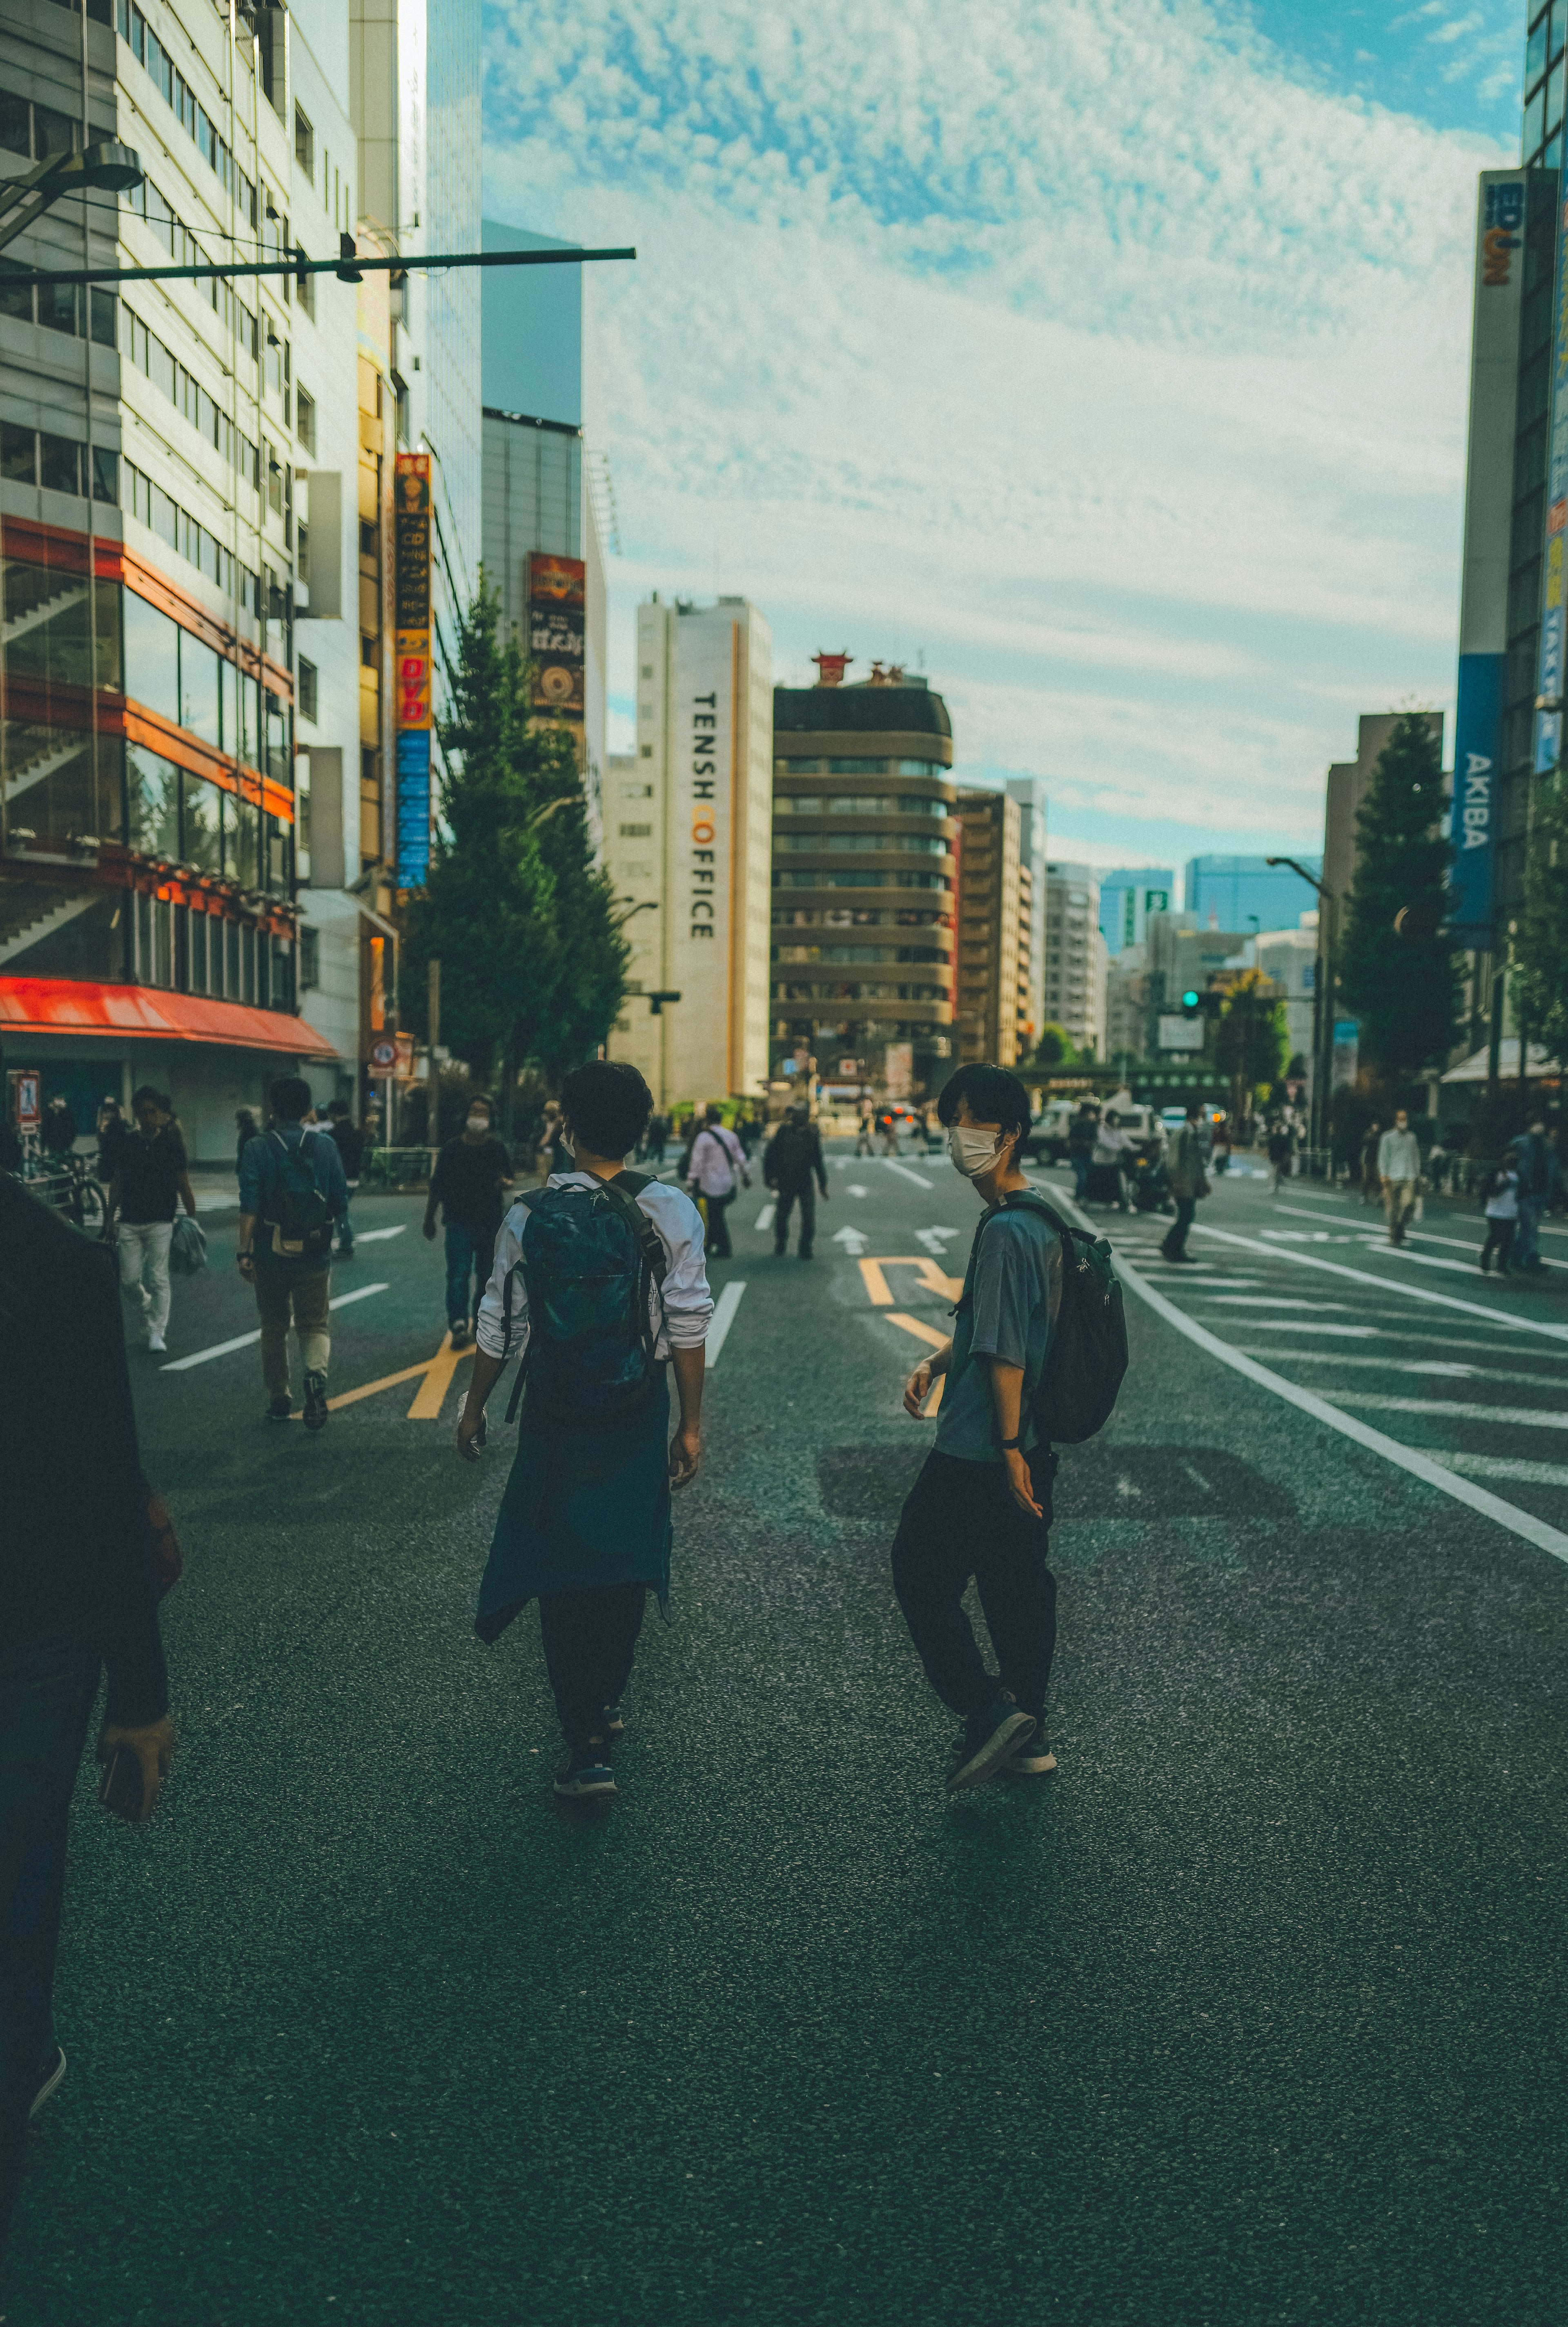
478	1123
972	1153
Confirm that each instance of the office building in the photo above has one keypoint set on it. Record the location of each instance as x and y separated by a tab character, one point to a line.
545	503
1075	955
687	842
996	930
1128	897
1126	1006
865	872
1348	782
148	512
1029	791
1185	957
1237	892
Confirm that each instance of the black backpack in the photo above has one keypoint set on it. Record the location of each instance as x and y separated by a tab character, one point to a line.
1087	1355
590	1258
297	1214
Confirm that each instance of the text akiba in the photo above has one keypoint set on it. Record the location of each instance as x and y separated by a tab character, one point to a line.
705	726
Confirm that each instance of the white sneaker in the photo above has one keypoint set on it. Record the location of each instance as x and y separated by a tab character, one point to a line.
156	1342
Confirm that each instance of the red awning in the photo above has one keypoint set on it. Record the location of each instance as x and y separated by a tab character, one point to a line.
73	1005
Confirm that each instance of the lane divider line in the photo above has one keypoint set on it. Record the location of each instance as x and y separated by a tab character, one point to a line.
904	1173
378	1236
1383	1283
245	1341
723	1317
1427	1467
765	1217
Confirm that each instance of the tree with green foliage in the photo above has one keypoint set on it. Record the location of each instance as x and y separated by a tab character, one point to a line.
1404	988
1251	1040
1054	1051
1541	942
532	964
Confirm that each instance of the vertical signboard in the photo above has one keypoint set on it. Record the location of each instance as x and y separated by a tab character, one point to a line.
411	664
1483	627
1549	671
557	595
701	713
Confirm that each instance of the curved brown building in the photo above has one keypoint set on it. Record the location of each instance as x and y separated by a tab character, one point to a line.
865	877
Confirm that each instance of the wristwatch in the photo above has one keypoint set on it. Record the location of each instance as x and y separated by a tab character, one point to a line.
1009	1444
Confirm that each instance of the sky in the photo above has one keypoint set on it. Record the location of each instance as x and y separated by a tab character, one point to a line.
1105	360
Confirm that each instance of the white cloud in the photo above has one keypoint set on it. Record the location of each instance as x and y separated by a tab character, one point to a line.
1073	344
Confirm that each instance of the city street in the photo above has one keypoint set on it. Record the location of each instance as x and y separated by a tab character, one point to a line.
1252	2012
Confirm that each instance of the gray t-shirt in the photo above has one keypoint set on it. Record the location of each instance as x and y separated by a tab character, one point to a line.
1011	1296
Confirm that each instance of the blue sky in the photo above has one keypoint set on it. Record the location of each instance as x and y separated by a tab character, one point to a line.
1105	358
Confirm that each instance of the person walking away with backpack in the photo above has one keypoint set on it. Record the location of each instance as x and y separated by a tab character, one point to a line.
598	1284
717	1161
350	1142
1501	1207
1399	1170
466	1185
1536	1162
1080	1147
290	1191
1187	1182
792	1166
149	1180
981	1507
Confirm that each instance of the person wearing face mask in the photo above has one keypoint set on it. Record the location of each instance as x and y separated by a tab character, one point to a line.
980	1509
465	1186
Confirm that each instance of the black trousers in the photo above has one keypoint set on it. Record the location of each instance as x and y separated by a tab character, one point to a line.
1175	1243
717	1208
785	1200
1500	1240
589	1638
960	1521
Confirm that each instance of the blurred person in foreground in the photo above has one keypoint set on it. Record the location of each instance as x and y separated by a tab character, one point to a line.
90	1553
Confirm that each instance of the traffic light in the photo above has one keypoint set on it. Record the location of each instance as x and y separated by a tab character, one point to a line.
1190	1001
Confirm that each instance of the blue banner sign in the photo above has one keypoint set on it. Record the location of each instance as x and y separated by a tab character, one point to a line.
413	808
1476	727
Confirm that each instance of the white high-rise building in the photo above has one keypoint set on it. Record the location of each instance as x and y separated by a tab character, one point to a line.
688	843
1029	791
1076	956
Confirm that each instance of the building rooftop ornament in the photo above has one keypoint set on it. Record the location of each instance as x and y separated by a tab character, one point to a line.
886	675
831	668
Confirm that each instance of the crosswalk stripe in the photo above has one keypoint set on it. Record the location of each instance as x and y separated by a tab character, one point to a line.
723	1317
1524	1417
1385	1284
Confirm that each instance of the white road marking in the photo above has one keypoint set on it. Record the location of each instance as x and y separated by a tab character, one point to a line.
244	1341
1526	1417
1391	1365
765	1217
936	1240
851	1240
854	1188
1269	1301
1300	1325
378	1236
1503	1466
904	1173
723	1317
1433	1471
1387	1284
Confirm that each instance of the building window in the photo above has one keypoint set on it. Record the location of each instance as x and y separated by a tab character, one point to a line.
310	955
307	688
304	145
637	832
306	419
647	750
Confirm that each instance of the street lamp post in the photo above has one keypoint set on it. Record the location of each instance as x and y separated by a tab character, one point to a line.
110	168
1324	999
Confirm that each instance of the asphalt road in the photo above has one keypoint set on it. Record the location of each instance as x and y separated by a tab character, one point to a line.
1254	2012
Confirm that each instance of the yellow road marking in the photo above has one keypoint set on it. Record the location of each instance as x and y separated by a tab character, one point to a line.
434	1376
932	1277
924	1332
438	1373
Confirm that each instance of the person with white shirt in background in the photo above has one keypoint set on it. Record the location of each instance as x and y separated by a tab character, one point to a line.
614	1259
1502	1213
1113	1151
1399	1170
718	1161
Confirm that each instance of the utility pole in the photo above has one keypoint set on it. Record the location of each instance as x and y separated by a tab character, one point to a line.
1323	1013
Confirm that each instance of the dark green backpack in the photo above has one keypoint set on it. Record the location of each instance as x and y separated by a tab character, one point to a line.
1086	1358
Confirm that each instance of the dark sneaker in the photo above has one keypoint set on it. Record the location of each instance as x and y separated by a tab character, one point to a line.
581	1778
281	1409
989	1738
1033	1759
49	2080
459	1336
315	1401
614	1721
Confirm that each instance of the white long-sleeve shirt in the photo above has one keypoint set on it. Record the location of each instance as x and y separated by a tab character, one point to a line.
679	1310
1399	1155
